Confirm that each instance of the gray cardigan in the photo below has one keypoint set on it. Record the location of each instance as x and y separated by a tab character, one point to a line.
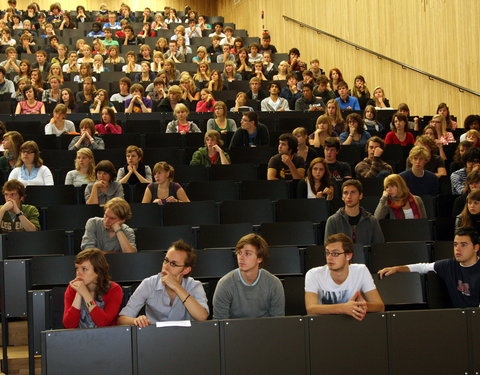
383	211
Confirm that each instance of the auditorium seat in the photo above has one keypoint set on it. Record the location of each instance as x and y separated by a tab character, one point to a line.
300	233
255	211
263	189
191	213
314	210
218	191
285	261
222	235
42	195
401	290
160	238
145	215
69	217
27	244
397	253
213	263
415	229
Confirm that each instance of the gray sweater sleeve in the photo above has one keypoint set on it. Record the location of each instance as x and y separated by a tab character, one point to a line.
382	211
89	238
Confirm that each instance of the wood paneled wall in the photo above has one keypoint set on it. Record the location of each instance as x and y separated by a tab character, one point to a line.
437	36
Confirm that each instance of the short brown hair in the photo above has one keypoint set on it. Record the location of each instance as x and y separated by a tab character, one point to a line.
353	182
87	123
164	166
214	135
31	146
347	243
256	241
119	207
14	185
108	167
191	257
133	148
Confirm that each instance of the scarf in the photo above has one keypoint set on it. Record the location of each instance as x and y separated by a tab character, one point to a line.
398	210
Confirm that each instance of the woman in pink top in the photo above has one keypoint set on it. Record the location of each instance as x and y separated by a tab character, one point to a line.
441	125
108	124
29	105
399	135
206	102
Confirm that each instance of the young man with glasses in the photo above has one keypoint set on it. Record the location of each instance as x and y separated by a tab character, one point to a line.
251	132
169	295
249	291
340	287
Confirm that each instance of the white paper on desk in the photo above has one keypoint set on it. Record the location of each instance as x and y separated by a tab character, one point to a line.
175	323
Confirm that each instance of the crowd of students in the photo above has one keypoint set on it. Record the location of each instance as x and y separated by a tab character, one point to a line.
153	83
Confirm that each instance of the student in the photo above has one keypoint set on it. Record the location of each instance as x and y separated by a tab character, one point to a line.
124	92
322	91
470	214
249	291
291	91
354	132
318	183
346	101
373	165
58	124
91	300
286	165
6	86
400	134
105	187
212	153
138	103
135	171
169	295
361	226
251	132
265	45
471	160
84	171
461	274
181	124
255	93
308	102
419	180
87	138
11	64
274	102
14	215
339	170
30	169
340	287
110	233
164	190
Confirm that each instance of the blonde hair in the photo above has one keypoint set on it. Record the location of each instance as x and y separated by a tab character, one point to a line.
402	189
91	165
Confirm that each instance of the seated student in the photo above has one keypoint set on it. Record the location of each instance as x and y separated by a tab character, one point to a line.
14	215
371	123
318	183
134	172
360	225
101	101
461	274
440	124
255	93
323	130
206	102
164	190
296	64
110	233
340	287
84	171
11	64
85	98
306	152
91	300
315	69
436	164
249	291
169	295
373	165
124	85
400	134
397	202
339	170
290	91
457	162
108	124
471	184
274	102
96	31
344	100
355	133
307	77
129	39
105	187
58	124
308	102
420	181
173	98
220	122
138	103
361	92
212	153
470	215
30	169
251	133
322	91
87	138
286	165
269	69
379	100
11	142
30	105
265	45
181	124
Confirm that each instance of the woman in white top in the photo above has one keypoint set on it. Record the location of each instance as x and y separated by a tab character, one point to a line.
318	183
84	171
58	124
30	169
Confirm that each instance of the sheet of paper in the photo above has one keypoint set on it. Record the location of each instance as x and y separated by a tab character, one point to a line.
175	323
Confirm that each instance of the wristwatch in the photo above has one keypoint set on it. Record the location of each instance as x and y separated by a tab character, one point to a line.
19	214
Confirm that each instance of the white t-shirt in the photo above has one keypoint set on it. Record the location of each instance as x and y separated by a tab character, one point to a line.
319	281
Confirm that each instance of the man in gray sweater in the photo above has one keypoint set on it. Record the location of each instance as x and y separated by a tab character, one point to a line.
249	291
360	225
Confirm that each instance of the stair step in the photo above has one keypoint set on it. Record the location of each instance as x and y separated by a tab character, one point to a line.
17	333
18	361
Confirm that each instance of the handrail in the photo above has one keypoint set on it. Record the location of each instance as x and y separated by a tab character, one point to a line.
380	56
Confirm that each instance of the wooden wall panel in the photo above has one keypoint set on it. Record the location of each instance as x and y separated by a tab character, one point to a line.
438	36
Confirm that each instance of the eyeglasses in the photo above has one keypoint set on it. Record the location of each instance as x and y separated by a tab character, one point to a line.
172	263
27	151
333	253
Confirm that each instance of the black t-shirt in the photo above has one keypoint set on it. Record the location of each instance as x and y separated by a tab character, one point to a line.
283	172
463	283
339	170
